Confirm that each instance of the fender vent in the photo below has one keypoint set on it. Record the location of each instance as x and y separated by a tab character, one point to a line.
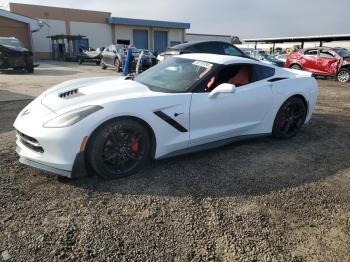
70	94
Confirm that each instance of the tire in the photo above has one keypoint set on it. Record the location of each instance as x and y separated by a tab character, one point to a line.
119	148
98	63
117	65
80	61
290	118
295	67
343	75
30	69
103	65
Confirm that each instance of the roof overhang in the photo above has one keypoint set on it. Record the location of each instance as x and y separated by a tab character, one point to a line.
320	38
143	22
35	25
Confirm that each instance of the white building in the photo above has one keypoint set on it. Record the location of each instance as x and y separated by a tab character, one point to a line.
99	29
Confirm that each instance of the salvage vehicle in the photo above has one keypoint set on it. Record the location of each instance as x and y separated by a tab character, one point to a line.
323	61
267	58
13	55
111	126
91	55
114	56
208	47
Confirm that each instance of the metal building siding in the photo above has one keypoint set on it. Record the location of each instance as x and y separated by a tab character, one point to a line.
160	41
142	22
140	39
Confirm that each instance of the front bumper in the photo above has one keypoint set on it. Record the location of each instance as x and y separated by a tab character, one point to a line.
78	170
54	150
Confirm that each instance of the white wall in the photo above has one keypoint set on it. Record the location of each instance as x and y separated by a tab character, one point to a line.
174	35
190	37
43	44
98	34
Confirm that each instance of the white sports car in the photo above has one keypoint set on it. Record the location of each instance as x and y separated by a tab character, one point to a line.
111	126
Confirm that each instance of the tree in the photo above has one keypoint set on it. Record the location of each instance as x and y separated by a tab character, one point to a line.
235	40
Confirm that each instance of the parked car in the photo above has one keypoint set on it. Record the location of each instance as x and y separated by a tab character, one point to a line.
270	59
13	55
91	55
185	104
323	61
114	56
209	47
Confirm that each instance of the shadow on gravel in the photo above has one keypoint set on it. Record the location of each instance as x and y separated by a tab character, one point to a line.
247	168
9	109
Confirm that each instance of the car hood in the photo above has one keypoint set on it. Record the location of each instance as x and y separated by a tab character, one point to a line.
91	91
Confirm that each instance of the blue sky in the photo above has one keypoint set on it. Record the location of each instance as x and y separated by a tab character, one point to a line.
245	18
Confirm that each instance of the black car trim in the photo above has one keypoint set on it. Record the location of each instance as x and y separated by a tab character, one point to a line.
277	79
170	121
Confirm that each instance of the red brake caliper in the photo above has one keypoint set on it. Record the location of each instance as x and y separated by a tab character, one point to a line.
135	147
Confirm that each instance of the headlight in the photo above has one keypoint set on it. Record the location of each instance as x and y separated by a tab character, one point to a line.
72	117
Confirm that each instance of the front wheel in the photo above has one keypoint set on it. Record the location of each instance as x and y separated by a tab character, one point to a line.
290	118
119	148
343	75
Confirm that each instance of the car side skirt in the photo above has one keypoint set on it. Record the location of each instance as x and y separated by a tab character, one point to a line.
212	145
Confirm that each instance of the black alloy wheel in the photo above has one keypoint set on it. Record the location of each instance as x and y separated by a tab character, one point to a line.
290	118
119	149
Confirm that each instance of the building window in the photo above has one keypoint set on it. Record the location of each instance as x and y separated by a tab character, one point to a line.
123	42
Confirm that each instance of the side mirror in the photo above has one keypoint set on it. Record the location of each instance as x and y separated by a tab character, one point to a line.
223	88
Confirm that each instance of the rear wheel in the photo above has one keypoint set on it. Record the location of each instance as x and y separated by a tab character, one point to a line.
30	69
103	65
119	148
343	75
117	65
290	118
295	66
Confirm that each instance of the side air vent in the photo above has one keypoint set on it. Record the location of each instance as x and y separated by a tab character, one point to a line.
277	79
70	94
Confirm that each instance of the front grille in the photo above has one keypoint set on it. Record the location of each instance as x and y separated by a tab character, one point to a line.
30	142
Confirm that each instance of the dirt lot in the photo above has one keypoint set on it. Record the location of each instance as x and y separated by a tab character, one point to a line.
262	200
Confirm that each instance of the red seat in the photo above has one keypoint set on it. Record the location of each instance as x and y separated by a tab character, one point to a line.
242	77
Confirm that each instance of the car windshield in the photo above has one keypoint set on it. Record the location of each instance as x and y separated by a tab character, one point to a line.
342	52
10	42
175	75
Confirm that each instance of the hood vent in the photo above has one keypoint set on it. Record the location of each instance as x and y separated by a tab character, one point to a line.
70	94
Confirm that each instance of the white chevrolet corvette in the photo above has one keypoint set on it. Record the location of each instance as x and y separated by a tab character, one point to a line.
111	126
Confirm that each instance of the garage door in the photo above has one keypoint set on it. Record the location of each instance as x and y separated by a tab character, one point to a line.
141	39
12	28
160	41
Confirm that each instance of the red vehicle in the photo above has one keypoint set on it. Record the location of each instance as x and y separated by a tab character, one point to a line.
322	61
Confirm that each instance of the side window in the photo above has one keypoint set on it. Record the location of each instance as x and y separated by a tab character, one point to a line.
311	52
231	50
237	75
263	72
326	54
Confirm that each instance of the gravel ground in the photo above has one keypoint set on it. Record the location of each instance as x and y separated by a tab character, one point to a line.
260	200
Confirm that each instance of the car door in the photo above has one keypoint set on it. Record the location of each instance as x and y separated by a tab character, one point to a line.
231	114
309	60
327	62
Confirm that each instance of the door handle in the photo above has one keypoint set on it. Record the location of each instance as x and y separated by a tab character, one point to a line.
178	114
